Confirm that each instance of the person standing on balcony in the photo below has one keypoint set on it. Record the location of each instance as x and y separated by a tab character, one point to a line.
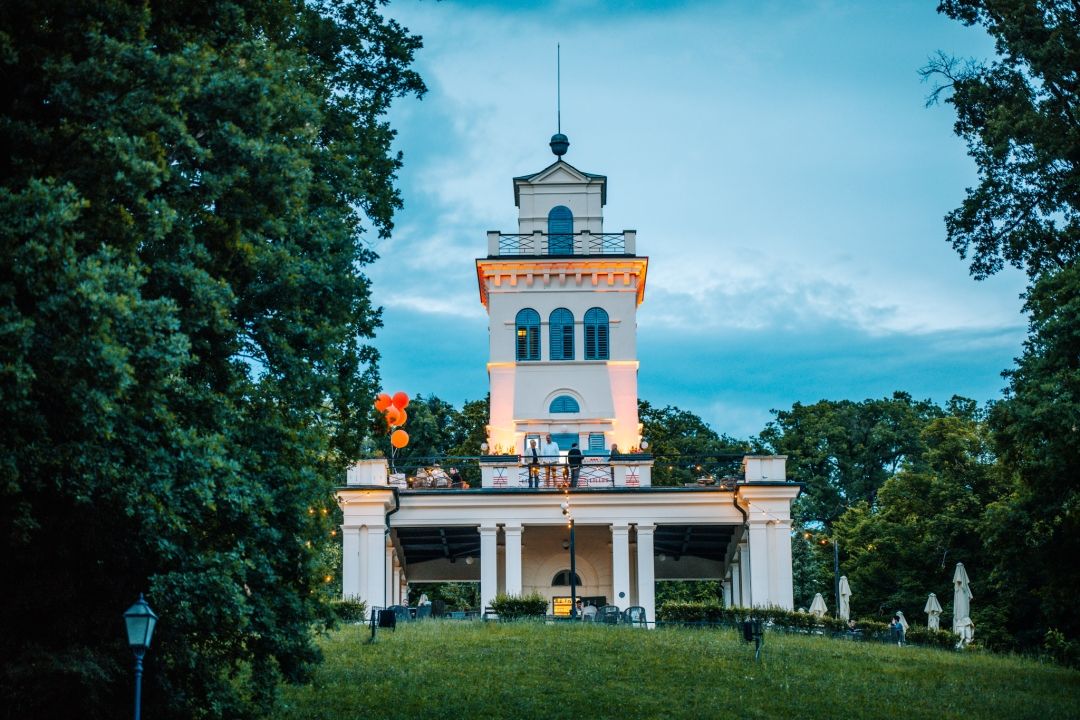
532	459
574	460
551	459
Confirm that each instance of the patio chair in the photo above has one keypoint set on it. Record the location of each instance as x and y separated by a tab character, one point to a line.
609	615
423	612
588	613
635	615
401	613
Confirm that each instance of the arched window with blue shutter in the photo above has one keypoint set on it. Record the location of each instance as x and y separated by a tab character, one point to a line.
596	334
560	231
564	404
528	334
561	324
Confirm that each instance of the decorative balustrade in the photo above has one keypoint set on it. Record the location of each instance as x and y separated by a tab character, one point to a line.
561	244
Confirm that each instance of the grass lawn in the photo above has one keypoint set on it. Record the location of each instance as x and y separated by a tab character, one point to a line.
473	670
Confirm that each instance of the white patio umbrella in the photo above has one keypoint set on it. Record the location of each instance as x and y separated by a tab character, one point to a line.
961	603
903	620
933	612
818	606
845	598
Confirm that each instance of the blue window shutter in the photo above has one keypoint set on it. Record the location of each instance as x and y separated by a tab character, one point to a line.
564	440
596	441
560	231
564	404
561	325
596	335
528	334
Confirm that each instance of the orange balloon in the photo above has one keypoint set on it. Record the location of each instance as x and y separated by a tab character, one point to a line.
382	401
401	400
392	414
402	417
399	439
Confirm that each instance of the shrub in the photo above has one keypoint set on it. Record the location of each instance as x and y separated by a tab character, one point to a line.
930	638
1063	651
350	610
513	607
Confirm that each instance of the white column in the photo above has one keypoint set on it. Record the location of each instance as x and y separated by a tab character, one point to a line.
781	585
512	552
395	585
744	573
350	562
759	563
389	573
727	591
489	565
646	571
620	565
376	566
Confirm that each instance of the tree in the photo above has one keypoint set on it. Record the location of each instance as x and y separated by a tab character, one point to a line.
924	521
1020	117
844	451
685	447
183	190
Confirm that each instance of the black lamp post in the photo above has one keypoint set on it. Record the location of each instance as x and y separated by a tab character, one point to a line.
573	558
836	573
140	621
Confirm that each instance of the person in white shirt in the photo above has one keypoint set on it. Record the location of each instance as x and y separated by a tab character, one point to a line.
551	459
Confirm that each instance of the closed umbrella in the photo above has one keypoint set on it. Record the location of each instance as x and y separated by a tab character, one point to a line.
933	612
961	603
818	606
903	620
845	598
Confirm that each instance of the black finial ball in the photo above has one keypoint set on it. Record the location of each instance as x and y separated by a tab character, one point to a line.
559	144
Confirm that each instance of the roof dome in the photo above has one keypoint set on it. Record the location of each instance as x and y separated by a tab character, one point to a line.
559	144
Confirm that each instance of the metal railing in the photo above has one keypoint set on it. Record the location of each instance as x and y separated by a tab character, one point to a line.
581	243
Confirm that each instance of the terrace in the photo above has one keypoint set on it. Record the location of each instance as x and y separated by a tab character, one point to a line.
597	472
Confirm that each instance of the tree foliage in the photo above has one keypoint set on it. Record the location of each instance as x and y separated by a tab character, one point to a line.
844	451
183	189
685	447
1020	117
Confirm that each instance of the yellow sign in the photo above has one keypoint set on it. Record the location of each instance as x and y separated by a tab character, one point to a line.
561	606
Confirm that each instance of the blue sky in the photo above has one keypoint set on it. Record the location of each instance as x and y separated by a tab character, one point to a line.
776	158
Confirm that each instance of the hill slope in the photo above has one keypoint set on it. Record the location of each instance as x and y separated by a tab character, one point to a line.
473	670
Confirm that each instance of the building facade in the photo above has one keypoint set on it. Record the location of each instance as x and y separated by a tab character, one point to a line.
562	298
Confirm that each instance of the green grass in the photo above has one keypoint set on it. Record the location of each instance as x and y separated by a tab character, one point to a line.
519	671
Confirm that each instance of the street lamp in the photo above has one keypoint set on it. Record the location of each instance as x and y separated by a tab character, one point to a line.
140	621
836	572
573	559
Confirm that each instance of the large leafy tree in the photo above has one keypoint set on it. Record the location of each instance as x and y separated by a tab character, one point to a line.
926	518
183	189
844	451
686	448
1020	117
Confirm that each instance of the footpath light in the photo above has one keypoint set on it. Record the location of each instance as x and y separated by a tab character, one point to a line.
140	621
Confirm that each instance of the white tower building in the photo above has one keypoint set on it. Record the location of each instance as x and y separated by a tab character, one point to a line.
562	298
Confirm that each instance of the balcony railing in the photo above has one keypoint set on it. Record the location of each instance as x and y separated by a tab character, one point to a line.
561	244
636	470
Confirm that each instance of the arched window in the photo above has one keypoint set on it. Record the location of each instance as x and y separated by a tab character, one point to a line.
562	578
561	323
596	334
564	404
560	231
528	334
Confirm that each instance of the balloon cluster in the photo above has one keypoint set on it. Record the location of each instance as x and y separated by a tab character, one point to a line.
393	410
